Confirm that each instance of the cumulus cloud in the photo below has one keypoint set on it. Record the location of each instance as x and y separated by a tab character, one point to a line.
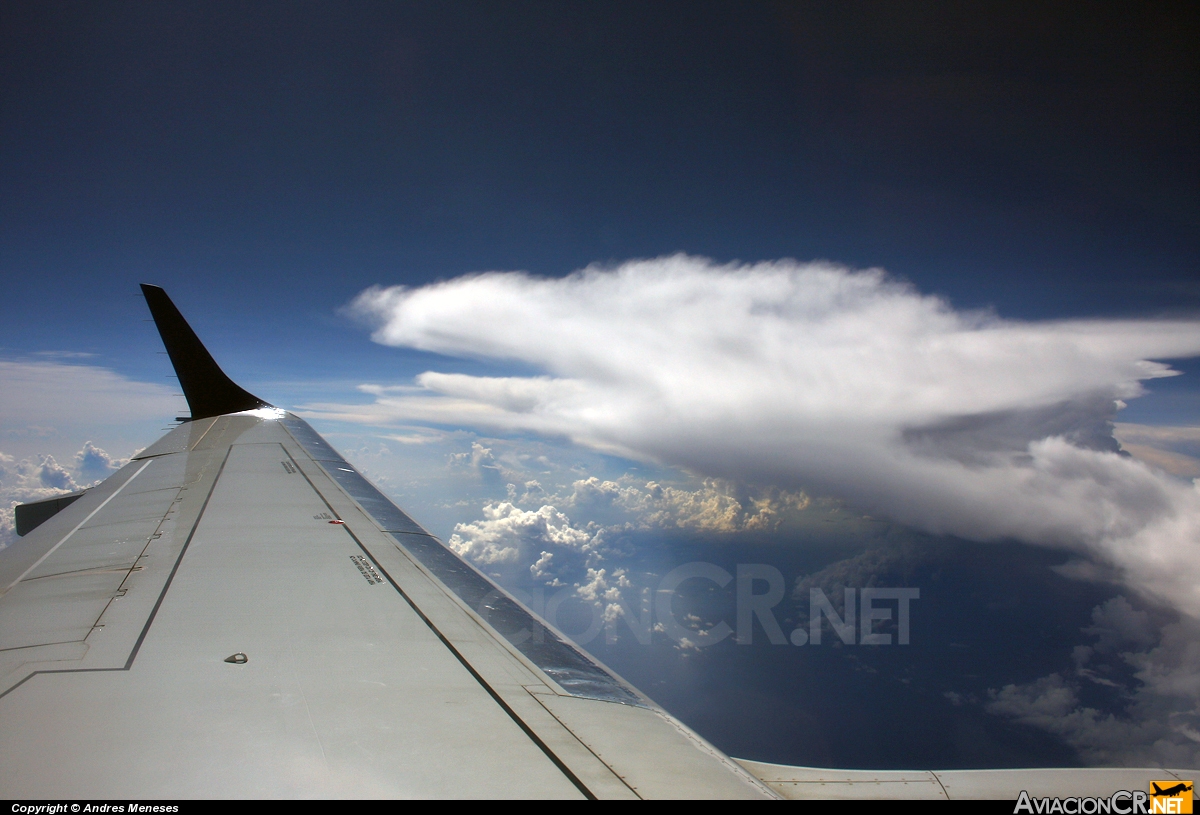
508	534
28	480
532	535
715	506
94	464
479	457
1156	672
605	592
817	377
39	477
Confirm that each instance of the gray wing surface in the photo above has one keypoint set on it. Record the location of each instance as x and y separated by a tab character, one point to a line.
369	669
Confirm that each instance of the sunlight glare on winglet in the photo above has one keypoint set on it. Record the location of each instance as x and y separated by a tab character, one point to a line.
268	413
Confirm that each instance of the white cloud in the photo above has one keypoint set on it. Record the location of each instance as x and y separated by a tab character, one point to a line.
816	377
715	506
1172	449
39	477
28	480
1159	724
1117	625
50	393
541	567
418	435
1177	464
479	457
604	591
94	464
508	534
570	535
1155	434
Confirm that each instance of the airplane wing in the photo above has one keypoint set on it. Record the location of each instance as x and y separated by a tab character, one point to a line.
239	613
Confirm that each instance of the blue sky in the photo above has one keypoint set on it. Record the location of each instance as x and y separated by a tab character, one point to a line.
1009	167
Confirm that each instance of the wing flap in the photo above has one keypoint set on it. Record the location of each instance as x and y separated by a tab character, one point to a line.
31	550
31	515
97	583
815	782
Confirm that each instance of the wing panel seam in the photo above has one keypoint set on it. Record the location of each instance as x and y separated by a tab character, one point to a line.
65	537
483	683
146	628
584	744
167	585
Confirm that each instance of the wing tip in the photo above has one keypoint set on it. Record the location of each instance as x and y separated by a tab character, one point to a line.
208	390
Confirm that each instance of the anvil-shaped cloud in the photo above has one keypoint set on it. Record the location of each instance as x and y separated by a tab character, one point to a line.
815	376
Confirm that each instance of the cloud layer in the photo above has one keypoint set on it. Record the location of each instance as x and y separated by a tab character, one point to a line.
558	548
1160	721
34	479
51	393
817	377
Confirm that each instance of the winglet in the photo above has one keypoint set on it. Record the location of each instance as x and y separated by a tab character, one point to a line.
209	392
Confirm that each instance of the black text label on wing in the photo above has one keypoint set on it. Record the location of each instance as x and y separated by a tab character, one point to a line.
366	569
